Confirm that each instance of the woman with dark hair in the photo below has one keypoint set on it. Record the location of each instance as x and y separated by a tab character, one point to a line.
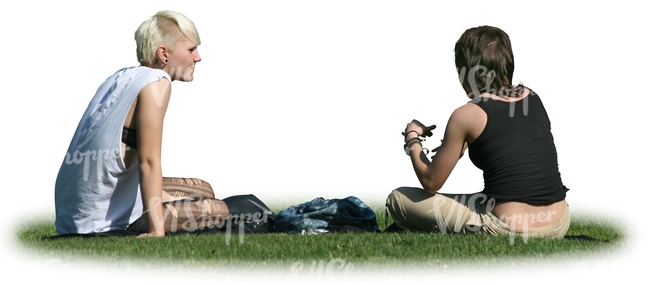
508	135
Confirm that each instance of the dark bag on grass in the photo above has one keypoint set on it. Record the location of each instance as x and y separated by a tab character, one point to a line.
249	212
334	215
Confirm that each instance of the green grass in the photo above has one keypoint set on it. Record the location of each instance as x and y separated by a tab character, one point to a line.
294	251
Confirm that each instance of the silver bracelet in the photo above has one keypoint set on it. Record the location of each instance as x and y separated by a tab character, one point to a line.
410	143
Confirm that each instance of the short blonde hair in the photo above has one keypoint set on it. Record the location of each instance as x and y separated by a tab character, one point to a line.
164	28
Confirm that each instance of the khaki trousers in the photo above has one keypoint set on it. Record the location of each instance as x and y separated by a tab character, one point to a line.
189	205
414	209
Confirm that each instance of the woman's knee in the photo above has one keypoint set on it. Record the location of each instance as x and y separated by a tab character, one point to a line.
392	201
410	209
178	186
401	201
395	199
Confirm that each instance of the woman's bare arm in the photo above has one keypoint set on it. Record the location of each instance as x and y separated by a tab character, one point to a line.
152	104
433	174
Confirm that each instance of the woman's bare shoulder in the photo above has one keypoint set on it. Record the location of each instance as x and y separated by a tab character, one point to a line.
468	111
470	119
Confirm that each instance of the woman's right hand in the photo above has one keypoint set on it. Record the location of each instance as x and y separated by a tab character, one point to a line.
152	234
420	128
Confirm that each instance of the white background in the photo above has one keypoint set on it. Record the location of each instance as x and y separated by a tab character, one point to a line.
302	99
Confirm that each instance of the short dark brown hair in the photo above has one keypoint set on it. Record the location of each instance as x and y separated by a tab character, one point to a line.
484	61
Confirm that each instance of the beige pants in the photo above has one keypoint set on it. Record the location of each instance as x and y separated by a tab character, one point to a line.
189	205
417	210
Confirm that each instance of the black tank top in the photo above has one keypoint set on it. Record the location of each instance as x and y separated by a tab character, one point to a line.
516	152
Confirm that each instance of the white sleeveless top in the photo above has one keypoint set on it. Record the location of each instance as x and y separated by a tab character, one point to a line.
95	191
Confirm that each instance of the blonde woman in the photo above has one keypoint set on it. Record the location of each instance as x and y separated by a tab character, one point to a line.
111	178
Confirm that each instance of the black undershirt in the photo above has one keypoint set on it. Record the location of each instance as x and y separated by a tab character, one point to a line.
129	137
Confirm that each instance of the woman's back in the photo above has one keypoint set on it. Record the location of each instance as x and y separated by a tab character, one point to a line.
86	196
513	145
516	152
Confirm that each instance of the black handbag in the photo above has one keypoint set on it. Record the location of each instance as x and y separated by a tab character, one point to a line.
249	212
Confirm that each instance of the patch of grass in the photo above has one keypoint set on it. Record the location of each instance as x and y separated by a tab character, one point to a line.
293	251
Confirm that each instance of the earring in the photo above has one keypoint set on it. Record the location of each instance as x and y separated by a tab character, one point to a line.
166	61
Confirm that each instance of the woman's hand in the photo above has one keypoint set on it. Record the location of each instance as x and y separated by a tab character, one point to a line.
152	234
416	127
